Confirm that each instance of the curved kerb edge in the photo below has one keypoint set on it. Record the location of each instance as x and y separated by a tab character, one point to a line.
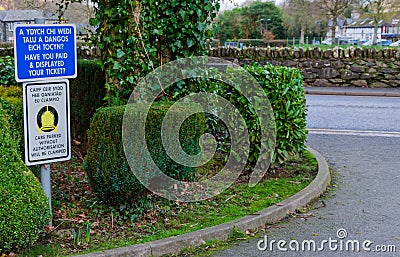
271	214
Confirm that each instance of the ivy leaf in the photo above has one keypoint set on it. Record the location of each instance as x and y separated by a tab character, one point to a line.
190	42
130	79
182	13
178	43
200	27
117	65
157	32
120	53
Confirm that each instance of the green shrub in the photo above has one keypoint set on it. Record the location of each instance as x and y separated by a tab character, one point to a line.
23	206
285	91
278	43
13	106
11	98
87	93
11	92
252	42
7	71
106	165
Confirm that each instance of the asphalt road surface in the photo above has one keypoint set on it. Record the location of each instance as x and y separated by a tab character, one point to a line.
354	113
360	215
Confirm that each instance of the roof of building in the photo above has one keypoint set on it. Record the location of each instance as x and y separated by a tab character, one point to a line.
367	19
367	22
341	22
25	15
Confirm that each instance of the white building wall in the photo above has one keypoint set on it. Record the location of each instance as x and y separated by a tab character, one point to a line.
365	33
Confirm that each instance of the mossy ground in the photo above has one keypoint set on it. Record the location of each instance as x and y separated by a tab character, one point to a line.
83	224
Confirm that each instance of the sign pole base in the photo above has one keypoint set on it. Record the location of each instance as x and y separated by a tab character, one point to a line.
46	184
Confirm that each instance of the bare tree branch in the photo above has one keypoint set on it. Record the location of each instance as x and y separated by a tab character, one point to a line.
333	9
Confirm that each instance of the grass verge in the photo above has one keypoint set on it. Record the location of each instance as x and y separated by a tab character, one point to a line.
82	224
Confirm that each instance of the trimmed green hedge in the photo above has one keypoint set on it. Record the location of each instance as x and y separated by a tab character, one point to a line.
23	206
87	93
105	163
13	105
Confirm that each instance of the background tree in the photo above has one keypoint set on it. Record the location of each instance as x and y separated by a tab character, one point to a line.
33	4
248	26
299	17
228	22
269	16
333	9
7	4
251	21
77	11
375	9
268	36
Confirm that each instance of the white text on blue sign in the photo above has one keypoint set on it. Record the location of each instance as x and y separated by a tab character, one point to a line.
47	51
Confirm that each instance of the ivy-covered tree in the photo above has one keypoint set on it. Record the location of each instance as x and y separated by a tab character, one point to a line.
136	36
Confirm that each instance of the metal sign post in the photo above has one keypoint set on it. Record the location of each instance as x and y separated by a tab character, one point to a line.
45	181
45	169
45	56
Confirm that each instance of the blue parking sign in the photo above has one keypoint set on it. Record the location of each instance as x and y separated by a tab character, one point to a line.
45	51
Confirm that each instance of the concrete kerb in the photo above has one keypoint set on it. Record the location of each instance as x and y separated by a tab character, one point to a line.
358	92
272	214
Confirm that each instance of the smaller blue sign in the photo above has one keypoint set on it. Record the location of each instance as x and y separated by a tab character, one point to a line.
45	51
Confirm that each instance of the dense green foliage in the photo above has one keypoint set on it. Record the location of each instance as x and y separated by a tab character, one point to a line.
12	104
135	37
251	22
7	73
106	165
86	95
283	86
23	205
285	91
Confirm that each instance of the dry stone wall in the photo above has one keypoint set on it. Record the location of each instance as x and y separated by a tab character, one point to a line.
338	67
